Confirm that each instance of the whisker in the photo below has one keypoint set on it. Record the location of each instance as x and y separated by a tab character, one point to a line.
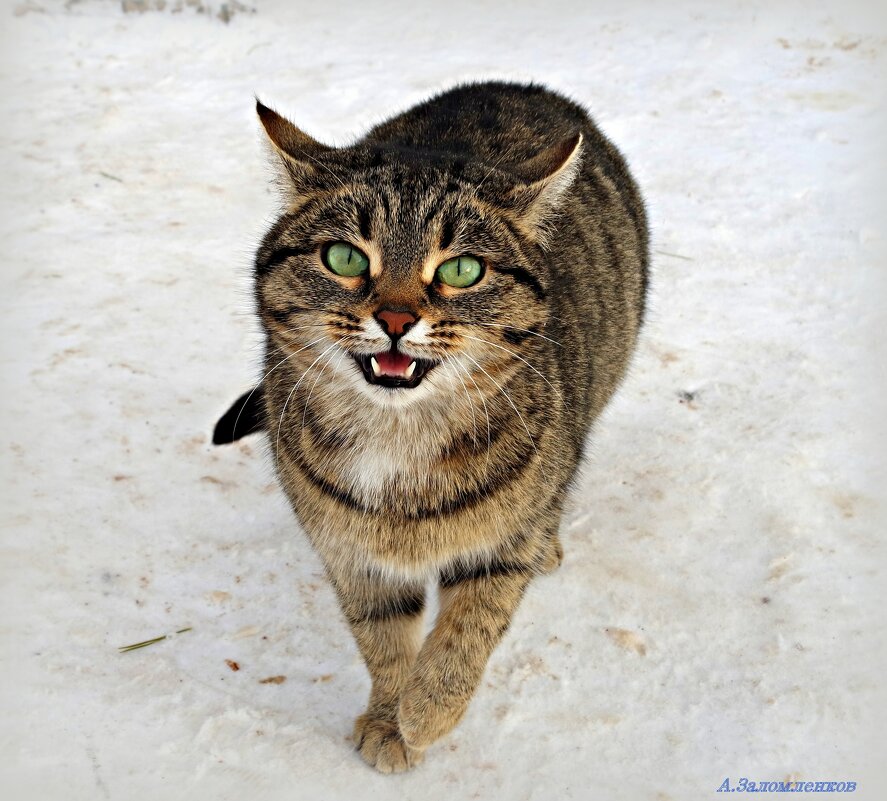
246	402
515	328
517	356
508	398
340	181
490	171
277	348
449	363
486	412
269	348
286	403
322	371
288	330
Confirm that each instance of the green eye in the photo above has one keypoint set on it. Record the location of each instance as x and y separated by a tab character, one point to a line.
460	272
345	259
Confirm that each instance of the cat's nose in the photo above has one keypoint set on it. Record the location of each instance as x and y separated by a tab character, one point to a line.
396	322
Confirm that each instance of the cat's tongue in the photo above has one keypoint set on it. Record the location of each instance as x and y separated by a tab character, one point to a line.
393	363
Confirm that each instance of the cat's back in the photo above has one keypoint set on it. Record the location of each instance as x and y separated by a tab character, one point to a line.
494	121
486	121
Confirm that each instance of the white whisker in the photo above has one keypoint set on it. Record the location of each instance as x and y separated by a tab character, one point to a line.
322	371
286	403
508	398
516	356
449	363
490	171
486	412
515	328
237	419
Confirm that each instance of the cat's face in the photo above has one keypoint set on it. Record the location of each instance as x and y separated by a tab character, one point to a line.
401	277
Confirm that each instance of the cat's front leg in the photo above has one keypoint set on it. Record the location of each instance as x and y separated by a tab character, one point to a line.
476	609
386	620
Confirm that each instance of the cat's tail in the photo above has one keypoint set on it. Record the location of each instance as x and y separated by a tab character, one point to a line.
246	416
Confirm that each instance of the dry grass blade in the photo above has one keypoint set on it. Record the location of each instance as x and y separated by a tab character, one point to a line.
673	255
123	649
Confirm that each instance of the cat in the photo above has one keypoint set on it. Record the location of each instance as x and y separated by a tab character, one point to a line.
449	303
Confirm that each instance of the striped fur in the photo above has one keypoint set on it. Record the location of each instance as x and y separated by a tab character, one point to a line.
460	480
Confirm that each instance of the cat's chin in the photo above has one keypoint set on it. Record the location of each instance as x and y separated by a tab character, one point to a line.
394	370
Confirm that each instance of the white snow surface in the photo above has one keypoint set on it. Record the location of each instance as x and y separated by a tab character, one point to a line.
717	613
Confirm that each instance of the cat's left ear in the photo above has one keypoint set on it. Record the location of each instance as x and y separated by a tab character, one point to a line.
544	180
295	150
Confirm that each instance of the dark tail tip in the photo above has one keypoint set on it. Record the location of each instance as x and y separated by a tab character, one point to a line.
245	416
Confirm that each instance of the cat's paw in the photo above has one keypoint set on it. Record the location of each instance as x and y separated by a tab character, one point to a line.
381	746
420	723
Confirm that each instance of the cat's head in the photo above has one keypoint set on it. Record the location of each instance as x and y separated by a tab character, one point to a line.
407	272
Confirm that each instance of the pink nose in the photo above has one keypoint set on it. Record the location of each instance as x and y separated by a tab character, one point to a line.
395	323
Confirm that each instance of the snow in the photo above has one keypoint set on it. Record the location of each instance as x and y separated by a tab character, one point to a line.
717	614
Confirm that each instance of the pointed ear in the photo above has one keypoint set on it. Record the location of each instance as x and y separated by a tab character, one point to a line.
544	179
296	152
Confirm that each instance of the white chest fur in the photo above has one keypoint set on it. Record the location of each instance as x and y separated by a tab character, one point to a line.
396	457
374	468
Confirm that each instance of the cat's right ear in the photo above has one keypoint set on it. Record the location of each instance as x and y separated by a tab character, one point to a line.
294	151
544	180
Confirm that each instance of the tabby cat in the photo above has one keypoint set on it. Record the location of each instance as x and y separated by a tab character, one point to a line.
449	303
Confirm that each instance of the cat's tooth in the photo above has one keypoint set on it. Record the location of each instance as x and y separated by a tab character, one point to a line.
410	370
375	365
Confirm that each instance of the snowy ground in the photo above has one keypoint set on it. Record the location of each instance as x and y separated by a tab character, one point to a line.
717	613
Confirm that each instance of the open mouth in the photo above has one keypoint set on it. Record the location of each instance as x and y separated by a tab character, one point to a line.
393	369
